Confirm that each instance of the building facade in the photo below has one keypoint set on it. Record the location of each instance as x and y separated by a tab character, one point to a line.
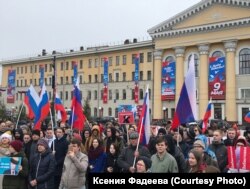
209	29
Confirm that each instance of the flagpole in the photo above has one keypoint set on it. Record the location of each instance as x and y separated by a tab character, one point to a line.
52	124
139	138
19	115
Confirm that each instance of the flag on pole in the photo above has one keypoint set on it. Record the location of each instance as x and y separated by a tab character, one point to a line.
31	100
207	116
144	123
186	107
61	112
77	118
247	117
43	108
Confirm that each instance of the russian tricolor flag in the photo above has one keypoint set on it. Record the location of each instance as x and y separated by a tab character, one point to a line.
77	118
207	116
31	100
43	108
186	107
62	115
247	117
144	123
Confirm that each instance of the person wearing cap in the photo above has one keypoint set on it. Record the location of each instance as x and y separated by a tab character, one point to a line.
35	136
206	158
19	180
129	154
143	164
42	167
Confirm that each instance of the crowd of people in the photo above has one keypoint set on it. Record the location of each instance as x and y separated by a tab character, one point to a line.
61	158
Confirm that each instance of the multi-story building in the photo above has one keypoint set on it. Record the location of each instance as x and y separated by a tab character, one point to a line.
210	29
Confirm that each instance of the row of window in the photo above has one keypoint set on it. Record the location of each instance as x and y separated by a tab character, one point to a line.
65	65
65	80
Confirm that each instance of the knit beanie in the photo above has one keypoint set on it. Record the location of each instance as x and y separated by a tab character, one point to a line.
146	161
43	142
36	132
17	145
6	135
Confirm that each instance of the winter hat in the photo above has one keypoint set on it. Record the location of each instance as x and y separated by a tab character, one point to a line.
43	142
6	135
146	161
199	143
162	131
36	132
133	135
17	145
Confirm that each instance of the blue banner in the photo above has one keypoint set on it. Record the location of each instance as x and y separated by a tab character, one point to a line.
105	80
75	72
10	165
168	81
41	80
217	78
136	62
11	86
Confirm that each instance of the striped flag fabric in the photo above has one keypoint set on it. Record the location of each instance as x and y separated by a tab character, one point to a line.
186	107
61	112
144	123
207	116
31	100
43	108
77	118
247	117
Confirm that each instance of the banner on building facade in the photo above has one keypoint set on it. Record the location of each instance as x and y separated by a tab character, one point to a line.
217	78
168	81
11	86
136	78
105	81
41	80
75	72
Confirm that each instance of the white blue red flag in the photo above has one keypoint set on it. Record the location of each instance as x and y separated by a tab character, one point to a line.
77	118
43	108
31	100
186	107
207	116
247	117
144	123
61	112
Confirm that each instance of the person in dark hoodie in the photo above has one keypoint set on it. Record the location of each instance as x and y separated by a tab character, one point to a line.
231	137
18	134
41	175
152	140
17	181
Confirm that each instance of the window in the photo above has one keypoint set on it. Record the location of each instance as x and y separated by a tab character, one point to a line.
50	67
124	76
217	111
46	68
133	58
61	95
31	69
116	112
124	59
21	70
101	78
17	83
66	95
67	66
96	62
30	81
16	96
196	64
149	76
110	94
81	81
90	63
117	60
25	69
72	79
149	93
141	57
81	64
110	77
61	66
90	79
95	93
149	57
133	94
50	81
124	94
101	95
110	61
116	77
141	94
95	112
96	78
17	70
50	96
35	68
133	76
244	61
141	75
110	111
245	93
45	80
67	80
117	94
35	82
89	95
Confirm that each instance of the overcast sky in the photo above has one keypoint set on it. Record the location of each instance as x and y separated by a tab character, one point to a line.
28	26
